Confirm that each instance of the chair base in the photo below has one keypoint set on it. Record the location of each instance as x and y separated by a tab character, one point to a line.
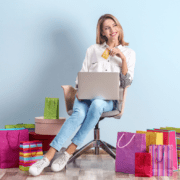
97	144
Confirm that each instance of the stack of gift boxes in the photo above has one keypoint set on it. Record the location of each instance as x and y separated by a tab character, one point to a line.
28	142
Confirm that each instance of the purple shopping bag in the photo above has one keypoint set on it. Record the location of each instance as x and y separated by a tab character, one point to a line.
9	146
127	145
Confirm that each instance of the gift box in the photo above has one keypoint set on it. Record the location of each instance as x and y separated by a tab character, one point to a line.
45	139
48	126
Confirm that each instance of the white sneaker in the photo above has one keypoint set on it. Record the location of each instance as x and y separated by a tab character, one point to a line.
60	162
36	168
57	154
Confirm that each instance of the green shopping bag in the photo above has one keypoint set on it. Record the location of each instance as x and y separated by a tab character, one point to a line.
20	126
51	110
30	127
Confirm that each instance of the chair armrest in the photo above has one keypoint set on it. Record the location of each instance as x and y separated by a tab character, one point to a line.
69	96
122	101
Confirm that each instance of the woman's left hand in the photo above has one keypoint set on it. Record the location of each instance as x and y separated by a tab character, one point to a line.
117	52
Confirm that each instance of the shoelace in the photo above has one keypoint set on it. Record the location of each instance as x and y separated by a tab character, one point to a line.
63	158
40	163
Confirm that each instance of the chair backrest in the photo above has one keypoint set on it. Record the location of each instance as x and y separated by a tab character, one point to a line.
122	100
69	95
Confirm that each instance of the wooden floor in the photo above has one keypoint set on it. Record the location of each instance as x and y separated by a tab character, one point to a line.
86	167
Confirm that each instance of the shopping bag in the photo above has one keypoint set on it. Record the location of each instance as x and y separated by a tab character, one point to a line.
177	141
29	153
126	147
51	110
178	158
177	130
9	148
162	160
143	165
30	127
152	138
169	138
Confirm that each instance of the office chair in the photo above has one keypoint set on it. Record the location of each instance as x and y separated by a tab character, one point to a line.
69	95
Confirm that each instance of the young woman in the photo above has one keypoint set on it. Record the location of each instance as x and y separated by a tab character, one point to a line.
121	59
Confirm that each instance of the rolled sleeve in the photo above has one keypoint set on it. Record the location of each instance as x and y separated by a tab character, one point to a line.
128	78
125	79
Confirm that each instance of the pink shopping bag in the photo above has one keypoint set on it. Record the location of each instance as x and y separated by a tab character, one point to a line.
127	145
9	146
162	160
169	138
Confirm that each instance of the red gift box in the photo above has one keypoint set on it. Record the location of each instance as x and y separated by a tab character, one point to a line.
45	139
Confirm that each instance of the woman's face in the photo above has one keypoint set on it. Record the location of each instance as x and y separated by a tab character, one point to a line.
110	29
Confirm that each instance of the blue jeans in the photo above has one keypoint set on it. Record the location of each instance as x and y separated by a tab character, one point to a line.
85	112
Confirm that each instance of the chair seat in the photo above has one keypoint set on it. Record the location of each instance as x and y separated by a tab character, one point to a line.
104	114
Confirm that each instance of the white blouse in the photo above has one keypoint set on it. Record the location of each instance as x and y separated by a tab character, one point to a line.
93	62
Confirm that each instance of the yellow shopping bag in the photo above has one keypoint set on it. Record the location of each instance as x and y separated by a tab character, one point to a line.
152	138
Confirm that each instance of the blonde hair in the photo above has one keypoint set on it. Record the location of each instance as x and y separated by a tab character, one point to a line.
100	39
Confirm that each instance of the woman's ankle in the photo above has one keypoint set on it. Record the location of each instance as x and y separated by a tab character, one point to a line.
48	157
50	154
71	148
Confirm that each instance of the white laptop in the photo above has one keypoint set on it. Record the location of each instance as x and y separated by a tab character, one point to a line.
98	85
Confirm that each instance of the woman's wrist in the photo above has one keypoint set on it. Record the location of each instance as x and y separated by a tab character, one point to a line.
123	59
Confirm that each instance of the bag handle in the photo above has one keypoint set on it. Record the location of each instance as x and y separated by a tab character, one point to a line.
162	156
31	151
9	143
127	143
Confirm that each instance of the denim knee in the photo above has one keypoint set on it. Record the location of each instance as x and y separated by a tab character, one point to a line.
79	113
97	103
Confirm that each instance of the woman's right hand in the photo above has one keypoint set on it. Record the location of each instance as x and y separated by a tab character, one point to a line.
77	96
